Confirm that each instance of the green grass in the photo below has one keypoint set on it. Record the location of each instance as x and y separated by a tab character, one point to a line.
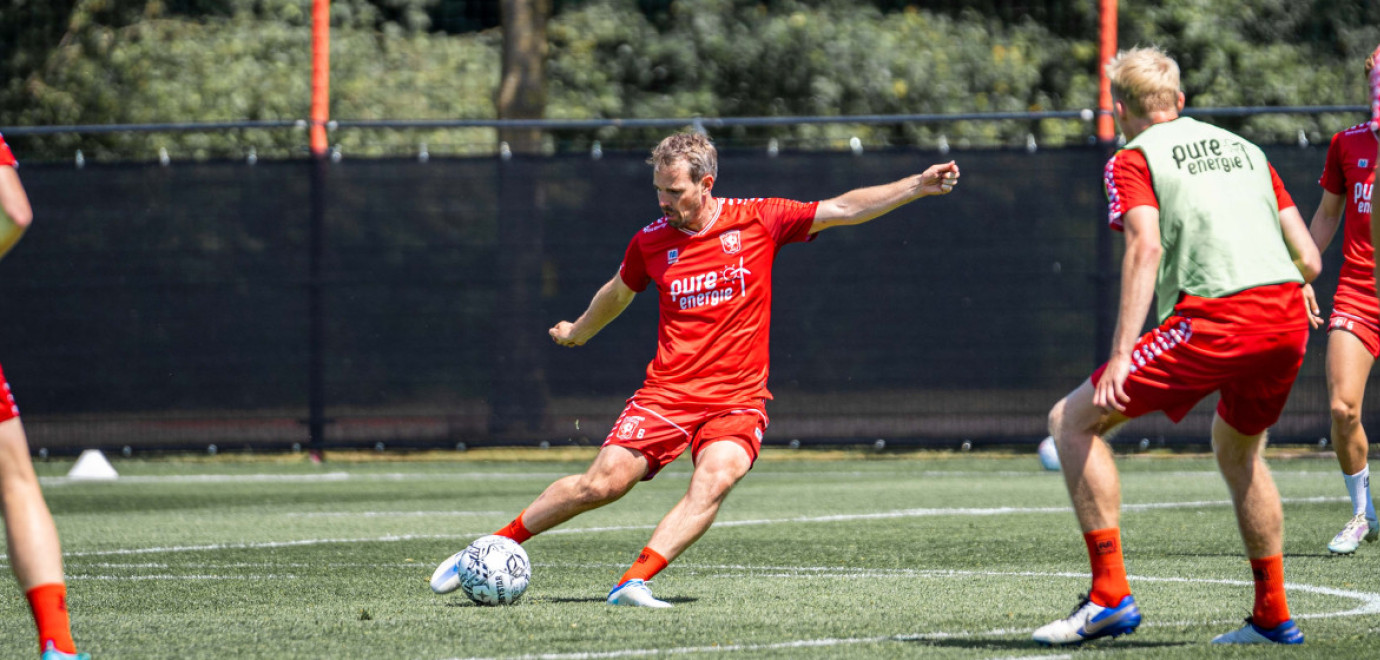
254	558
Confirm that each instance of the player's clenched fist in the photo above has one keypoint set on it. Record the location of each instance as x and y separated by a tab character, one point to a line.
939	179
564	334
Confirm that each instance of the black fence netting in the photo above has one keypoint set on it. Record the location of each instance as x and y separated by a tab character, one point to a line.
169	306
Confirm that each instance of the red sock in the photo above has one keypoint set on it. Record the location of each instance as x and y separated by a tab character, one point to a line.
515	530
1108	568
49	604
649	563
1271	609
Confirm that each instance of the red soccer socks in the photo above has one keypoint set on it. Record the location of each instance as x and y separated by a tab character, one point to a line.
515	530
49	605
1108	568
1271	609
648	564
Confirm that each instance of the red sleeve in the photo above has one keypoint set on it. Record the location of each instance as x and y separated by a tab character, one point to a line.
633	270
1281	195
1128	184
1333	177
787	220
6	156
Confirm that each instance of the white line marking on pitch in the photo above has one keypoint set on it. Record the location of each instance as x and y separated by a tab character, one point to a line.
677	474
140	578
389	514
299	478
905	513
1370	604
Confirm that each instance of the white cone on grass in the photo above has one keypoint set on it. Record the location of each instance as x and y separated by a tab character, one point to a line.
92	464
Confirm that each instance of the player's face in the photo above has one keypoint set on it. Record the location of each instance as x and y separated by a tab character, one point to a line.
681	198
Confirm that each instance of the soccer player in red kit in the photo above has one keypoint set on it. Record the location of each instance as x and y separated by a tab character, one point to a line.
35	555
1353	332
710	260
1212	234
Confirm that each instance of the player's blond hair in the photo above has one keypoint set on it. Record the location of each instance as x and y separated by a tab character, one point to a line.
693	149
1145	80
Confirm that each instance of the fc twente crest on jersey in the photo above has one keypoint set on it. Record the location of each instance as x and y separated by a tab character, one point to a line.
732	241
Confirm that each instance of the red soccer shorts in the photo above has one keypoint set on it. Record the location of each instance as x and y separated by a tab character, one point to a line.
8	409
661	432
1173	368
1345	319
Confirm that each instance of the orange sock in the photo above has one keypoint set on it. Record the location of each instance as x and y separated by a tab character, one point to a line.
49	604
515	530
648	564
1271	609
1108	568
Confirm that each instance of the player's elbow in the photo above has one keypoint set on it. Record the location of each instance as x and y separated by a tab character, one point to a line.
1310	265
1147	251
21	217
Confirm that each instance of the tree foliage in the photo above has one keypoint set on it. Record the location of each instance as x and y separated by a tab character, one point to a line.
145	61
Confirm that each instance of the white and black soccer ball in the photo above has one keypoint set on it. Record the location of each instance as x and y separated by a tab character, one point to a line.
494	570
1049	454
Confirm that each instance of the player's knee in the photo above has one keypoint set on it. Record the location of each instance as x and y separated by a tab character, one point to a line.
1055	419
602	490
1346	414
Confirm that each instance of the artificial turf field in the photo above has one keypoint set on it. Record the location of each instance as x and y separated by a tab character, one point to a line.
815	555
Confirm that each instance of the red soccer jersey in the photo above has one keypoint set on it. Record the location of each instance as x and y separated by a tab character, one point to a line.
1350	172
715	299
6	157
1128	183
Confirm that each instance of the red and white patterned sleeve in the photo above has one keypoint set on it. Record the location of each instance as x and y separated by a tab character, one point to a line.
1128	185
1375	90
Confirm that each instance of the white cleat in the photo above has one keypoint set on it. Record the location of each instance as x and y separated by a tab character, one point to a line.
1357	529
446	577
1090	621
635	593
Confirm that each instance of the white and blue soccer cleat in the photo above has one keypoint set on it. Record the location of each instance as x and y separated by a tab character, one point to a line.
635	593
51	653
1284	633
446	577
1090	621
1357	529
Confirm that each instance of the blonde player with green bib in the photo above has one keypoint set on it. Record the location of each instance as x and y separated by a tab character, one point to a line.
1212	235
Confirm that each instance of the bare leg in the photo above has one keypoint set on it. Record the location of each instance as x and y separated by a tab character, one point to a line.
719	467
1348	366
35	554
1094	486
1259	512
613	473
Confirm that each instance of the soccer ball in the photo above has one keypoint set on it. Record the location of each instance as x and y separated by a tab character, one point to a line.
1049	454
494	570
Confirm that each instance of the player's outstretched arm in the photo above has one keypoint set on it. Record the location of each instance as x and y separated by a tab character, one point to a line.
1139	268
608	303
862	204
15	214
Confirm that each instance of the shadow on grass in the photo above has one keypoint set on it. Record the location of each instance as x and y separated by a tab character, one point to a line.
592	599
1027	645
